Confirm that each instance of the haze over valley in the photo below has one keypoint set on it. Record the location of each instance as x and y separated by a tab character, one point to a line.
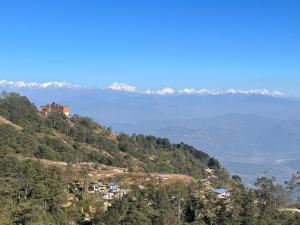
251	133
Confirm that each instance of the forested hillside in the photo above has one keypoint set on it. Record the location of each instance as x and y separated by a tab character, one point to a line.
33	192
74	139
248	133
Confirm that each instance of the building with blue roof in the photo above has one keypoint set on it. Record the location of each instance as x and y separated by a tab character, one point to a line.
112	187
220	192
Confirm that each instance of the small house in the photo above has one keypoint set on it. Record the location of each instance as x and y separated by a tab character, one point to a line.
108	196
95	187
112	187
221	192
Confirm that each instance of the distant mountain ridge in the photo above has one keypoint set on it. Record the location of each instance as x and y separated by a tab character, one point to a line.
123	87
23	84
250	133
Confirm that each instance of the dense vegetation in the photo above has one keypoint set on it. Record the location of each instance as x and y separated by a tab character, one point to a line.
81	139
32	193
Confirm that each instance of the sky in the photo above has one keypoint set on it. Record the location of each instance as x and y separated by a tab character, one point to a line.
151	44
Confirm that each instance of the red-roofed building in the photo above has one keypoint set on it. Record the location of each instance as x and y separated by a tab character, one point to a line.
55	107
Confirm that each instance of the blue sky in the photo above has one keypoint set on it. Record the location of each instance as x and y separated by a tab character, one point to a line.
151	44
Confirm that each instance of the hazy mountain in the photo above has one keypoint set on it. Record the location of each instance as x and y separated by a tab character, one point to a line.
250	132
248	145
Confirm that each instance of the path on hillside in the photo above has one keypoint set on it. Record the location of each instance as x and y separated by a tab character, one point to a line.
96	171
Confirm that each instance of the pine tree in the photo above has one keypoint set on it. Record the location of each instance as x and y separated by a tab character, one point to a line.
249	210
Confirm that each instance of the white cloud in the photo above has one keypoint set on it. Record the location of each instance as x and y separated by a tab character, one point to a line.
122	87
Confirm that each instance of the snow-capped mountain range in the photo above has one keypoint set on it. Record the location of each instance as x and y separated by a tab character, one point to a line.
23	84
169	91
242	127
123	87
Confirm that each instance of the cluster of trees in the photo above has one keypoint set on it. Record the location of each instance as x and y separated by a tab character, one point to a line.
33	194
178	204
30	193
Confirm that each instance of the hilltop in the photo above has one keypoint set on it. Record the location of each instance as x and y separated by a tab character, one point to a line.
56	169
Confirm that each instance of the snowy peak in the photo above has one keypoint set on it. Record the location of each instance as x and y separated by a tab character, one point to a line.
192	91
255	92
164	91
123	87
23	84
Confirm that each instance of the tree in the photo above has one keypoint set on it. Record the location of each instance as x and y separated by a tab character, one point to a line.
249	210
213	163
265	189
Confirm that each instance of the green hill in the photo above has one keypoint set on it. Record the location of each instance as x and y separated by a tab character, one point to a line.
80	139
42	156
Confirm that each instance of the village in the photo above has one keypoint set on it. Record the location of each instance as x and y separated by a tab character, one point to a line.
101	183
109	190
112	190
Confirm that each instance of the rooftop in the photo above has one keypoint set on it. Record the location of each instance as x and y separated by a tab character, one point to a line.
220	190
